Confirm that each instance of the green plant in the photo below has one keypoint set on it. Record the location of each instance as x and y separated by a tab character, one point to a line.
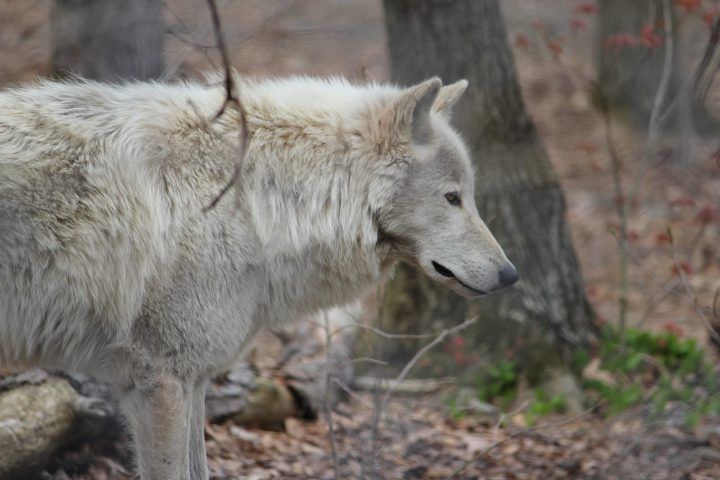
657	368
455	411
499	384
542	406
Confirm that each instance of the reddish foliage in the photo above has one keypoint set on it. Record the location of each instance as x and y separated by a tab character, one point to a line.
591	291
620	40
682	202
650	39
521	41
458	358
555	47
633	236
662	238
586	8
577	25
673	328
458	342
620	200
661	342
684	266
707	214
688	5
710	15
587	147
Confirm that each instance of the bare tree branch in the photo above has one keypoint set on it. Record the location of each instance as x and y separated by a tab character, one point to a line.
704	75
660	97
409	366
382	402
231	99
715	336
616	167
328	407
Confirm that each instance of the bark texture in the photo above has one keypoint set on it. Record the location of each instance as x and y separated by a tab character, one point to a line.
517	193
108	39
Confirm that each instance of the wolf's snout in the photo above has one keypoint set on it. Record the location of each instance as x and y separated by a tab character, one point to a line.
508	275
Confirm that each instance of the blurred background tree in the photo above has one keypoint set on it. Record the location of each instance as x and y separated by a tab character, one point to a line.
546	316
634	42
108	39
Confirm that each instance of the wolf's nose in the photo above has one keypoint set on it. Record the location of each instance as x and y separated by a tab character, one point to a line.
508	275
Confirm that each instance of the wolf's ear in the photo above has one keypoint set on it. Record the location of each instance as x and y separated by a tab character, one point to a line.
448	97
412	109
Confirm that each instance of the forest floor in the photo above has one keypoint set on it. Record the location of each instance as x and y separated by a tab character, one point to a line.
416	438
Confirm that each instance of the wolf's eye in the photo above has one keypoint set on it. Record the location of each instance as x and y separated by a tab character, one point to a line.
453	198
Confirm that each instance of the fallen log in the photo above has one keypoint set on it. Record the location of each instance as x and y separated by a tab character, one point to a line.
35	421
249	399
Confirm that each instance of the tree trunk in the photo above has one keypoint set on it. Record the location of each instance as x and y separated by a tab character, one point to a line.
108	39
631	46
518	193
628	71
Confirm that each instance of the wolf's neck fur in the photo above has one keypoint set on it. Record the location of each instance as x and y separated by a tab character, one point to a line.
308	190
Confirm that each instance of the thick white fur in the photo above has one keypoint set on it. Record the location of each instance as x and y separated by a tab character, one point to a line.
109	265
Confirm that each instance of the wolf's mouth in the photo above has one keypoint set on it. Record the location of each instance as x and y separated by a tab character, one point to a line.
447	273
444	271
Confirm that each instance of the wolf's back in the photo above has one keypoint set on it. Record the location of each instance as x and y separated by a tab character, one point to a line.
79	232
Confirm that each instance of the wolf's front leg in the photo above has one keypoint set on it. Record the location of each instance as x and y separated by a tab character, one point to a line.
159	412
198	456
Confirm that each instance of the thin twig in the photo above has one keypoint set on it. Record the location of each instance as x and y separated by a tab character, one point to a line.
190	42
174	64
231	98
616	165
352	393
382	333
409	366
659	99
624	201
230	90
328	409
516	433
703	79
693	297
368	464
715	310
670	287
504	416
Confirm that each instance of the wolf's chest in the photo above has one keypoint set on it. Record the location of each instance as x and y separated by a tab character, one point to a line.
315	279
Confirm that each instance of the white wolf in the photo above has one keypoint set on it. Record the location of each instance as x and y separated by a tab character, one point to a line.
110	265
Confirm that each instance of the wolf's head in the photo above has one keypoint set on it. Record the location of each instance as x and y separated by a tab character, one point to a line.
431	220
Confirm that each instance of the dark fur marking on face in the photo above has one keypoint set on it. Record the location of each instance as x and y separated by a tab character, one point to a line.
396	246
